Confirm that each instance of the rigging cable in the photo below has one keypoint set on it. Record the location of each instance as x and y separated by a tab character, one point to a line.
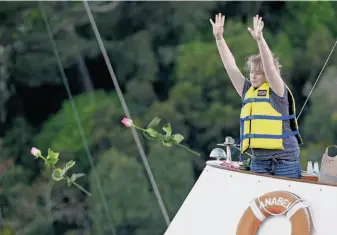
127	113
319	75
73	106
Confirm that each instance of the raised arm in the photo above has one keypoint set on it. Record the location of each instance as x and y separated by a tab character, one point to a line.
227	58
272	73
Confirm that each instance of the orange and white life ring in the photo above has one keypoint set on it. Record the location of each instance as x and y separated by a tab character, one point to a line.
276	203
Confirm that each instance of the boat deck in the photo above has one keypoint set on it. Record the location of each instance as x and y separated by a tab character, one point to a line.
310	179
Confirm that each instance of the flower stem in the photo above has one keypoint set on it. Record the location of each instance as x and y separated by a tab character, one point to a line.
77	185
43	158
189	150
183	146
81	188
139	128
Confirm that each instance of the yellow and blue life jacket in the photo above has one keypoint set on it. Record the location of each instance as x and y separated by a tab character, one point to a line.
261	125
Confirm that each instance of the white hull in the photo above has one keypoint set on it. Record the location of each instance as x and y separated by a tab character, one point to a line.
219	198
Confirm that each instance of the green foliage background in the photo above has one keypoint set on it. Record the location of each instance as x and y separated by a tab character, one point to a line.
166	61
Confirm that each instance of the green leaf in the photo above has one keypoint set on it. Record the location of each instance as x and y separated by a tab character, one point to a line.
177	138
57	174
147	136
167	143
167	129
71	180
51	161
73	177
151	132
174	139
70	164
52	154
153	135
246	164
154	123
52	158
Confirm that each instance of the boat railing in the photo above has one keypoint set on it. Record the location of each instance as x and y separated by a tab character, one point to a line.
326	176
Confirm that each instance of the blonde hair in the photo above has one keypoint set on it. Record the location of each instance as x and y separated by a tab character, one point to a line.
256	60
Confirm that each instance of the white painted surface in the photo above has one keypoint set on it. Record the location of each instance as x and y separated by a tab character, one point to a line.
220	197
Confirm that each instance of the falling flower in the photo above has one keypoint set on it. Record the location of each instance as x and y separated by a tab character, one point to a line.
127	122
35	152
167	139
59	173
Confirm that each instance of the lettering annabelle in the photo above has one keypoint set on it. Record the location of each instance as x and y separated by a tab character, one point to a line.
274	201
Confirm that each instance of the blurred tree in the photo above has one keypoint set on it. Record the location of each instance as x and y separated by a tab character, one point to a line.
320	126
126	189
42	202
35	59
6	90
305	34
130	197
173	170
302	26
167	64
323	112
18	141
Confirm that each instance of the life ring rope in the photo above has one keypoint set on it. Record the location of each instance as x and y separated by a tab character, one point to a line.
277	203
256	211
299	205
308	209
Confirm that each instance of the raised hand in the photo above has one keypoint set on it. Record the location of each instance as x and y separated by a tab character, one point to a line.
218	26
258	26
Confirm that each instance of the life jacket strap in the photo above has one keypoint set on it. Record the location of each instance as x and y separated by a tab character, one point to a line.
253	100
266	117
267	136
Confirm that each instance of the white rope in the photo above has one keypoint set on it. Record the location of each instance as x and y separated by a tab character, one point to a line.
319	75
256	211
127	113
285	211
73	106
300	205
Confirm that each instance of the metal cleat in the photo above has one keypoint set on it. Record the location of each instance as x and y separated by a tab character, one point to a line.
229	141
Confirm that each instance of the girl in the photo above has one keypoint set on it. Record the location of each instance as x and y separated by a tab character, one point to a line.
268	124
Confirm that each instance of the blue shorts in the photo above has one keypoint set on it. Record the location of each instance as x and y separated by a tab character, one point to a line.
290	168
